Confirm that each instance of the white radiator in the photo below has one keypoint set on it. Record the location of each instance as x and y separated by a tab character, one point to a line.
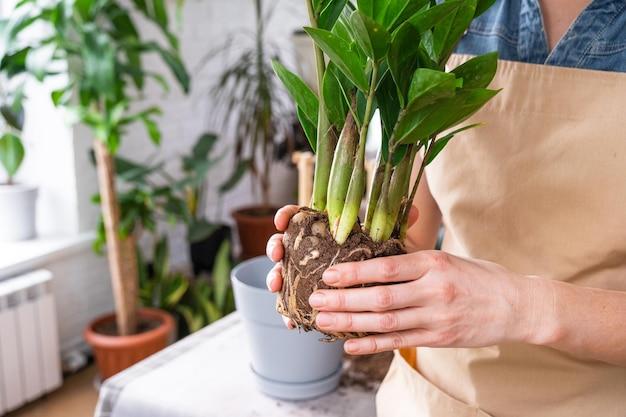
29	343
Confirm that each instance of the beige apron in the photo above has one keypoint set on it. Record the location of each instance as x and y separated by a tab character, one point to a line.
541	189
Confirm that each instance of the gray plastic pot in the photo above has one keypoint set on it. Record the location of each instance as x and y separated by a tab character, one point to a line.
287	364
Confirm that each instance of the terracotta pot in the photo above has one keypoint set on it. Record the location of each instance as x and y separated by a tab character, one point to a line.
116	353
255	225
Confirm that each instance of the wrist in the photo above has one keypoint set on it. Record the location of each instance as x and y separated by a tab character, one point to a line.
540	321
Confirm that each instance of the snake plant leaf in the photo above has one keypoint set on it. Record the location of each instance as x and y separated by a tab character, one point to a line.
443	114
161	261
299	91
173	290
340	52
372	37
310	129
334	98
331	12
403	58
447	34
441	143
11	153
478	71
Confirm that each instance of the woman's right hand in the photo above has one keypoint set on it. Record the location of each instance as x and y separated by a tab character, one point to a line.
275	251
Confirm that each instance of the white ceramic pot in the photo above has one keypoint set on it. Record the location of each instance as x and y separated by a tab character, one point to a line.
286	364
17	212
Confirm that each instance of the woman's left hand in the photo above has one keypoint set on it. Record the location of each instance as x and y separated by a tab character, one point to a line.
437	300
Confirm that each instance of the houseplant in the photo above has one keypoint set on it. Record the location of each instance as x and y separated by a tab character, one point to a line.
392	57
17	201
247	99
100	50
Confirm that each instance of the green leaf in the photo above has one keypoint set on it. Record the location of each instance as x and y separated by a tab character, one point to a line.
371	37
447	34
161	260
221	274
194	320
390	13
11	153
310	130
445	113
482	6
204	145
198	230
389	106
98	57
334	99
330	13
341	54
478	71
426	19
174	288
439	144
241	168
174	63
153	130
301	93
403	57
430	84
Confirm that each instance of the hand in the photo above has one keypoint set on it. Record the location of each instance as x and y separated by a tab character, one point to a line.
275	252
437	300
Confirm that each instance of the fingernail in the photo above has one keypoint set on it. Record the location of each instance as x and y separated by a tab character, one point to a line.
317	299
351	346
324	320
330	276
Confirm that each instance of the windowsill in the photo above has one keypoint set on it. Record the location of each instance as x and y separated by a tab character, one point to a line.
19	257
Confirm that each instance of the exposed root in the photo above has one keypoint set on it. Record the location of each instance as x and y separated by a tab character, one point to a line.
309	251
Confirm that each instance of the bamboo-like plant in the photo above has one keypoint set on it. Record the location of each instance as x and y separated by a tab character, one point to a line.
387	55
97	45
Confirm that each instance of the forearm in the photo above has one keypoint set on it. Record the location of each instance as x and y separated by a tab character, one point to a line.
586	322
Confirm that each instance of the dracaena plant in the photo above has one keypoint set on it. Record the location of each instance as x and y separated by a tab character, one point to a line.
97	46
388	56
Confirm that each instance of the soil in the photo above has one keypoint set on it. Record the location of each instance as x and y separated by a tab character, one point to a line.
366	371
110	328
309	250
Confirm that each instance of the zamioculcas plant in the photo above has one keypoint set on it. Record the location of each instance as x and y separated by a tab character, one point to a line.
387	55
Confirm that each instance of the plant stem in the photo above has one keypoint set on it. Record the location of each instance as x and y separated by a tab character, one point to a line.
356	189
326	138
404	220
341	172
377	185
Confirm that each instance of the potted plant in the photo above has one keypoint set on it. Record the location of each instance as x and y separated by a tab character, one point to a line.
247	99
101	50
394	59
17	201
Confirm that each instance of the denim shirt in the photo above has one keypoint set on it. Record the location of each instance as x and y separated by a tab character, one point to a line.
596	40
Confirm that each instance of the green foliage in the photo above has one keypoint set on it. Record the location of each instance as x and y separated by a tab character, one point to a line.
97	44
11	153
393	55
198	301
150	194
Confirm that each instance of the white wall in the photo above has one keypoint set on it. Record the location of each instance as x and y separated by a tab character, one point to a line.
205	25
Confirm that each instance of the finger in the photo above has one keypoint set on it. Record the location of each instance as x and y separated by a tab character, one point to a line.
274	248
390	321
283	215
391	341
388	269
288	322
414	215
274	280
378	298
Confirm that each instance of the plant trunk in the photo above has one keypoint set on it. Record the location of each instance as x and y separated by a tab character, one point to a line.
121	250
